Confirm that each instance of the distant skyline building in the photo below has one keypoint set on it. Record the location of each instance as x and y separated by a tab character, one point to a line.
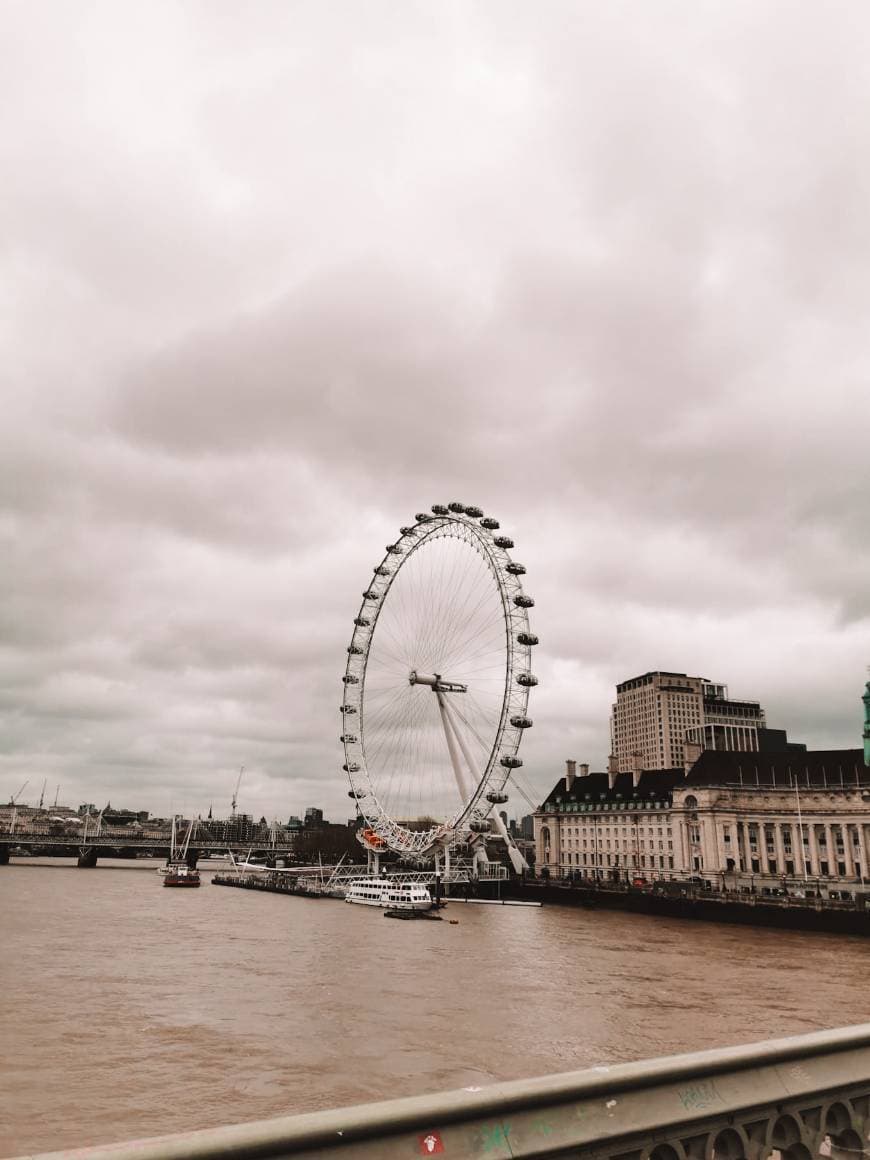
663	720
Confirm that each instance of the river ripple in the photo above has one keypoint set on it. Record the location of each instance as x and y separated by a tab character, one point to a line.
130	1010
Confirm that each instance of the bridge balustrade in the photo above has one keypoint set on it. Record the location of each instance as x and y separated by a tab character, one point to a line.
788	1099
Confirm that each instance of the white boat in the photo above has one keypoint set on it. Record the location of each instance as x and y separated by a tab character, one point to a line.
389	892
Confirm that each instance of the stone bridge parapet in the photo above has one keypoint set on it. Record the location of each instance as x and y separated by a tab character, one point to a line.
787	1099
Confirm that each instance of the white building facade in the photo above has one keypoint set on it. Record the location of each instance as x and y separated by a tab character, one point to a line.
736	819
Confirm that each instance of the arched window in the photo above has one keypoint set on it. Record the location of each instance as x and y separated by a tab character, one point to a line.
690	802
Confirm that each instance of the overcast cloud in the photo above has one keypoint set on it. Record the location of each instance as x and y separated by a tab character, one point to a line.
275	276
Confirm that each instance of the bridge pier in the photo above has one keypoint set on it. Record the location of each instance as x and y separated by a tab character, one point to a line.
4	854
191	859
87	857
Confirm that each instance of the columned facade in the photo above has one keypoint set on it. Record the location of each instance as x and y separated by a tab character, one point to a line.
739	821
752	832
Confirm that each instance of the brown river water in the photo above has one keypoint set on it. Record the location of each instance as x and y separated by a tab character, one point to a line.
130	1010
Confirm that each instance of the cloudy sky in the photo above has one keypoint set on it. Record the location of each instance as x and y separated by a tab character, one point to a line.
275	276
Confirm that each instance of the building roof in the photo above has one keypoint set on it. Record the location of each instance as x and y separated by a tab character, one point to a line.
654	785
646	679
821	768
831	768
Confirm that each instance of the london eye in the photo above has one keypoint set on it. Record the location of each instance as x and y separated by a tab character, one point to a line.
437	683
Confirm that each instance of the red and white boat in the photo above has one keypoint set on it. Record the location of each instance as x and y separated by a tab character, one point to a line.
177	872
181	875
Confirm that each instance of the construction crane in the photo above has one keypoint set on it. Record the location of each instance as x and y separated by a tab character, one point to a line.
16	796
236	791
42	795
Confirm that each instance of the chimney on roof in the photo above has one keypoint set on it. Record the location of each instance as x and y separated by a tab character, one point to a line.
636	768
584	768
570	774
693	751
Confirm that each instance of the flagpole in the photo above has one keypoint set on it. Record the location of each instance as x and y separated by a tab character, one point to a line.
800	829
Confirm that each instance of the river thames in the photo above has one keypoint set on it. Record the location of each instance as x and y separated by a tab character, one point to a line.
130	1010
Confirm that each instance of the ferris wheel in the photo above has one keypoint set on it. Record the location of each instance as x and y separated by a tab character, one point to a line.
437	684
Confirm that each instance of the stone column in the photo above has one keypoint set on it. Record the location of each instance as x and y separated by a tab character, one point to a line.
721	855
852	848
779	846
710	845
684	843
742	846
832	857
814	868
862	849
835	857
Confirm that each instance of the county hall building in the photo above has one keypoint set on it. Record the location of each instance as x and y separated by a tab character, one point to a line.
769	816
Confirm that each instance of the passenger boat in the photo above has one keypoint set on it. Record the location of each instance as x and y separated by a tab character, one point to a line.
389	892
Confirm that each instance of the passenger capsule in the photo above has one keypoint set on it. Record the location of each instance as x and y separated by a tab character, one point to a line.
370	595
503	542
354	650
497	798
423	518
351	767
522	722
523	601
459	508
347	710
439	509
479	825
350	679
348	739
474	512
394	549
382	571
527	638
516	569
527	680
361	621
406	531
490	524
509	762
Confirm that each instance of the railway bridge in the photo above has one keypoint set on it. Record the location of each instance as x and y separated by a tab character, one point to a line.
89	847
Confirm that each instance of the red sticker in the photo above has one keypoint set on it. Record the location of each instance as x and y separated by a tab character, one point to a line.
431	1144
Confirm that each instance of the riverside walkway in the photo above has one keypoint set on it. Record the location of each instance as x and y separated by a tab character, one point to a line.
788	1099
